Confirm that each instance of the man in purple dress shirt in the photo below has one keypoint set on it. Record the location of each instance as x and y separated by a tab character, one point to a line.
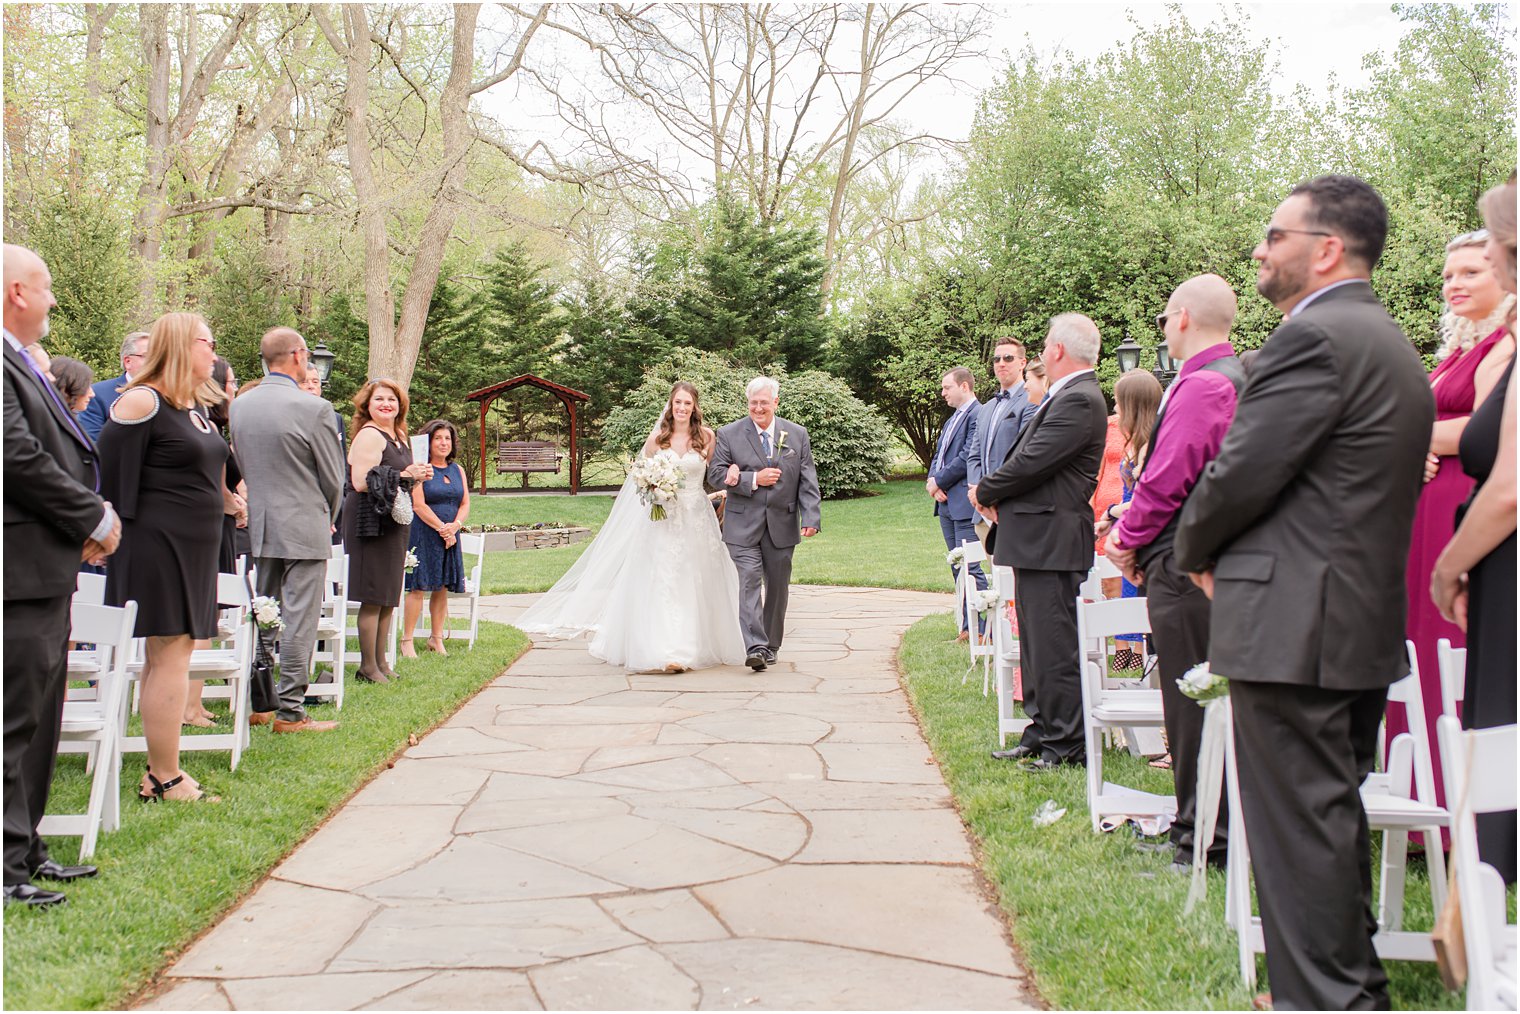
1194	416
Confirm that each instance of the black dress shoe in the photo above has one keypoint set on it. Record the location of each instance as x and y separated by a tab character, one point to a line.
32	896
1017	753
54	871
755	661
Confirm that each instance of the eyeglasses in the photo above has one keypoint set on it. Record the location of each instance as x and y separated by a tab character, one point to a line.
1006	359
1162	318
1274	233
208	341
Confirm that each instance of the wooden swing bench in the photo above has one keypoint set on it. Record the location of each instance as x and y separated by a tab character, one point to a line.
528	456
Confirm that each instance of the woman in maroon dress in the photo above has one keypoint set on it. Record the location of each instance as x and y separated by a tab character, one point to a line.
1474	352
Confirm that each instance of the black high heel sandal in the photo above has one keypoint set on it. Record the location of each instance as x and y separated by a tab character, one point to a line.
159	788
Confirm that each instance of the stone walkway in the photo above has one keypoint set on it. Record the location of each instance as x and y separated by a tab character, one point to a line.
577	837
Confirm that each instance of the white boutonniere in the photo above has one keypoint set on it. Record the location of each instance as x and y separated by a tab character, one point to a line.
780	441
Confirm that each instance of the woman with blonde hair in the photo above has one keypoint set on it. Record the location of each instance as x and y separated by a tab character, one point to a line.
1475	351
162	467
1473	580
380	468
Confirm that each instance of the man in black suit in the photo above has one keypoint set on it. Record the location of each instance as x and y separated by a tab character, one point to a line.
1038	501
1299	531
54	518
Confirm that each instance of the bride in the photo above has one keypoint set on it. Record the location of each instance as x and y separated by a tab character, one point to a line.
654	595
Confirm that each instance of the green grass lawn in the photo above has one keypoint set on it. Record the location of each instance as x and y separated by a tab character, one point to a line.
171	870
1100	926
890	540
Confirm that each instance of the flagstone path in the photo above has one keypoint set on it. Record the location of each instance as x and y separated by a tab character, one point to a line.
577	837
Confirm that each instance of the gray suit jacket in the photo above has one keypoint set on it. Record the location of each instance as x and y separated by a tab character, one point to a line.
1305	515
786	508
990	444
291	461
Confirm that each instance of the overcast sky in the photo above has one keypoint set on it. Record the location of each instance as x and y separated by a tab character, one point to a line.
1310	41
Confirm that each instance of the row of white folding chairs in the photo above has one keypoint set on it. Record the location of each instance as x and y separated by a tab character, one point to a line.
93	722
1478	768
1399	800
230	662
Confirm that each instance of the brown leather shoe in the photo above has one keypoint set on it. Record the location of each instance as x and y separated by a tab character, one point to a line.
963	636
260	717
304	725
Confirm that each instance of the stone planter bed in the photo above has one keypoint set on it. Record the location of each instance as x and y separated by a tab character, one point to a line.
535	538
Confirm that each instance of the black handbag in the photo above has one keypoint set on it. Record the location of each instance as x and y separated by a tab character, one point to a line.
261	688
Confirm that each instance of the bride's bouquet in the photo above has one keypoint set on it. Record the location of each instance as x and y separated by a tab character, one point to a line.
658	480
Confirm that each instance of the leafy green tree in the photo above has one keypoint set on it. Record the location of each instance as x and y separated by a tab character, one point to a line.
243	300
747	288
603	357
94	277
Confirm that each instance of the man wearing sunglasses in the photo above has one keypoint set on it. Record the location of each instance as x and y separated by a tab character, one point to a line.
1299	531
999	421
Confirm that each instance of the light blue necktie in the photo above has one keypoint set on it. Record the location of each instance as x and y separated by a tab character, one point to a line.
765	443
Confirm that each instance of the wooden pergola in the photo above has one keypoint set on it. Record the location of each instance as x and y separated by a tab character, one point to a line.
567	396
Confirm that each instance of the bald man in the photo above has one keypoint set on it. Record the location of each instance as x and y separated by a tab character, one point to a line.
54	518
1195	415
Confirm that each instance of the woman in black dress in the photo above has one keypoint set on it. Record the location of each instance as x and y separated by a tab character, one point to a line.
1473	582
442	507
379	466
161	466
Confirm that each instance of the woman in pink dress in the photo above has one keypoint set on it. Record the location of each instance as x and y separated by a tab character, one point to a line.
1474	351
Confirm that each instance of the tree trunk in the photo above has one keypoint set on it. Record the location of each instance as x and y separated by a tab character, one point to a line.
847	153
147	242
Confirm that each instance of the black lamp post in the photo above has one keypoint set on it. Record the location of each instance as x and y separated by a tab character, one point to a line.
1166	367
1128	355
322	360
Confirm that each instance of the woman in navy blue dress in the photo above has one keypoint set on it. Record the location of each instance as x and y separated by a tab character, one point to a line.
442	506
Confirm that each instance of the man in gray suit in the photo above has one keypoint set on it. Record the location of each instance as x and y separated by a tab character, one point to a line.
289	455
1000	421
773	506
1299	531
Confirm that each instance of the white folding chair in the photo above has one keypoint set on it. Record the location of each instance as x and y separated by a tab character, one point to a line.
1103	707
1005	658
1405	802
89	589
331	644
1392	809
981	646
1452	663
1102	570
94	726
1479	771
471	544
221	663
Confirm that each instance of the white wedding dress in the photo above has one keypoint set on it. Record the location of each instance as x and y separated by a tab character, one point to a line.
651	594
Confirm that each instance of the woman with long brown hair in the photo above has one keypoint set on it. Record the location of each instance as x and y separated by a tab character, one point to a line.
655	593
380	468
162	466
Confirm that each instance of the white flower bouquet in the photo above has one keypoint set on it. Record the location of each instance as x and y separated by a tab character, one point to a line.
1202	685
956	556
984	599
266	613
658	480
411	559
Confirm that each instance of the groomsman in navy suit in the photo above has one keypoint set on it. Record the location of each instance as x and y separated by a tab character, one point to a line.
93	419
1000	420
947	475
